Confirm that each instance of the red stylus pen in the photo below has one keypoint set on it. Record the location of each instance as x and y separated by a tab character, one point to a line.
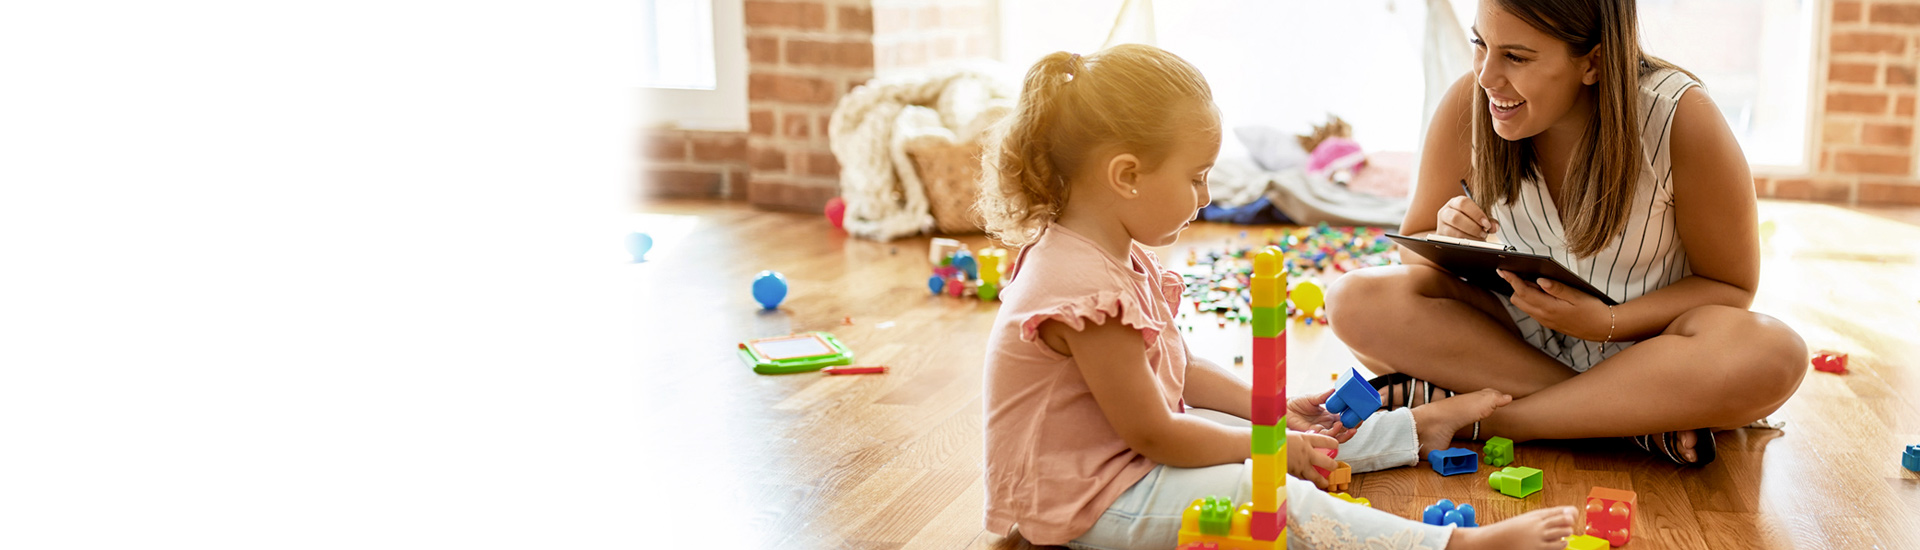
856	369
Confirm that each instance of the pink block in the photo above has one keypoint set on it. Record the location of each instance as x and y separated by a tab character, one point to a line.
1330	454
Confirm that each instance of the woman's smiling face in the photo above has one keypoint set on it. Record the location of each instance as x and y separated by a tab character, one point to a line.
1531	79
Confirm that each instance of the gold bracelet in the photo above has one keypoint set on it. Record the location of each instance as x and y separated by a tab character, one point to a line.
1611	322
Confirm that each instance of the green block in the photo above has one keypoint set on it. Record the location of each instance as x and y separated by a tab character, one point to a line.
1268	321
1517	481
989	292
1266	439
1216	516
1498	452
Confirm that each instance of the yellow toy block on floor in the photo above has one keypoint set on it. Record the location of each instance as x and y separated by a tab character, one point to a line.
1583	542
1353	499
1234	531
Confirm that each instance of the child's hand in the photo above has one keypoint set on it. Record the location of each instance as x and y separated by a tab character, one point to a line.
1301	456
1309	414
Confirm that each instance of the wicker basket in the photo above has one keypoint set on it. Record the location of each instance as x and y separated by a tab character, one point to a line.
950	173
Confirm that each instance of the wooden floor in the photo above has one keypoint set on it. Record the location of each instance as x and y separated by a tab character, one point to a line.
893	461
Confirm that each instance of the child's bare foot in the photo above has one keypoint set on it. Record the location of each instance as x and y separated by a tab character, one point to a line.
1439	420
1539	529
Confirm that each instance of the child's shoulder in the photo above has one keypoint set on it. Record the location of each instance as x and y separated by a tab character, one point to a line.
1063	262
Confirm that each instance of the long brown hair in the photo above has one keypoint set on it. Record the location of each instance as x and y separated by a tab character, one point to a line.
1127	95
1610	170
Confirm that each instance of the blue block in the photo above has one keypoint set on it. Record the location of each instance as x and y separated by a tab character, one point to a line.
1353	399
1454	461
1911	458
1444	513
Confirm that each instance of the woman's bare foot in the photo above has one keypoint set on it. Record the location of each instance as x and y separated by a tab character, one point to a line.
1438	421
1540	529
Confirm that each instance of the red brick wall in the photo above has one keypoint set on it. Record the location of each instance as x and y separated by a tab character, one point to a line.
693	164
1864	124
802	56
917	33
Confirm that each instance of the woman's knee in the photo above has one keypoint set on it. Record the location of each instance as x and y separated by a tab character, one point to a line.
1359	300
1764	359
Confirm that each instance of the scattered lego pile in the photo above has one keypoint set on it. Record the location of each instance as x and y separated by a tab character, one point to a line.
1217	279
1609	512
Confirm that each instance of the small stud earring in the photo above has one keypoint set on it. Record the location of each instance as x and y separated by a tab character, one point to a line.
1136	191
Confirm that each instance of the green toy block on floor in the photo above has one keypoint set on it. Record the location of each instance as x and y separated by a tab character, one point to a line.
1517	481
1499	452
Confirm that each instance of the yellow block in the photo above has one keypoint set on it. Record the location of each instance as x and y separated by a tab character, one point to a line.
1266	470
1269	500
1266	290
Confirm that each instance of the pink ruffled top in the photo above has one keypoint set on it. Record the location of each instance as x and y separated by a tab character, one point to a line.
1053	462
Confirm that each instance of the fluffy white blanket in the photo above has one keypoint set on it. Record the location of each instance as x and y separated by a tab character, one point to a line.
874	123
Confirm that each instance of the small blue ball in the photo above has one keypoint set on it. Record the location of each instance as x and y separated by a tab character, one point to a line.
769	288
638	244
936	284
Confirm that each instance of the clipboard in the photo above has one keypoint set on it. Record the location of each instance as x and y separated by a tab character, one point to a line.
1476	263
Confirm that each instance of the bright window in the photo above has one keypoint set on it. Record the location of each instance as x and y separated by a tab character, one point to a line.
684	28
1755	59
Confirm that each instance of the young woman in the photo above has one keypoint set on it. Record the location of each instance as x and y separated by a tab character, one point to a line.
1578	145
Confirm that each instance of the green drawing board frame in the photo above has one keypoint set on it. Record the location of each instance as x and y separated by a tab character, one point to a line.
777	355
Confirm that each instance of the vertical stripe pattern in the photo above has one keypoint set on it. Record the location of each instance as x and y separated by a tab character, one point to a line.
1646	256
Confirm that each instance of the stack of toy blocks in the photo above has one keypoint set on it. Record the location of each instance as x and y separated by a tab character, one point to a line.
990	261
1261	524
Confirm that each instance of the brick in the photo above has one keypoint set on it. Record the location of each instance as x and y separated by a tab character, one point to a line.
853	19
664	147
794	125
1840	132
944	48
822	124
1900	74
1849	162
1857	73
822	163
1867	42
892	19
1897	135
790	195
1850	102
1793	189
927	18
1905	193
681	183
1894	14
720	147
792	89
761	123
1903	105
1832	190
787	15
848	53
1846	12
767	158
763	49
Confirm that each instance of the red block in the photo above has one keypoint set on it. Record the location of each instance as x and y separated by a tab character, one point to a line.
1266	526
1829	361
1268	365
1330	454
1266	410
1610	515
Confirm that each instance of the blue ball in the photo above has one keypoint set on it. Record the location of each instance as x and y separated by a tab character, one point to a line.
769	288
936	284
638	244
